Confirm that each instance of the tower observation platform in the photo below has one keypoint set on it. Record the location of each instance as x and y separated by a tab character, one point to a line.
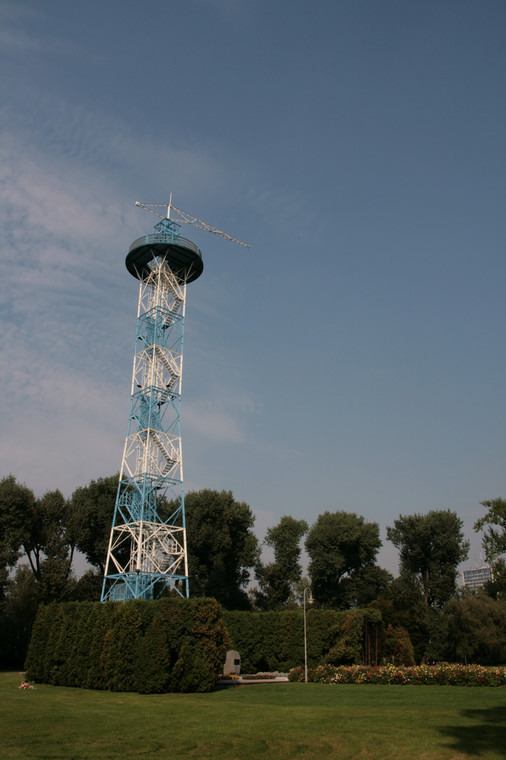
182	256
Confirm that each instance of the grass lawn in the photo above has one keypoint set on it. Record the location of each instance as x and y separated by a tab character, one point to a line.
281	721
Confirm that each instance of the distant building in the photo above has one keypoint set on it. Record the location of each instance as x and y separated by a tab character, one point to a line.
477	577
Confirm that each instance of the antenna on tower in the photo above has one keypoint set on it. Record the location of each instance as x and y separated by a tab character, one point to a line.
185	218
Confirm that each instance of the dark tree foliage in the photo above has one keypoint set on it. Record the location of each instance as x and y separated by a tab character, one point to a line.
46	533
20	608
278	579
431	546
16	509
92	515
366	585
349	647
397	646
476	629
48	547
493	525
496	588
340	545
89	586
35	528
222	548
402	605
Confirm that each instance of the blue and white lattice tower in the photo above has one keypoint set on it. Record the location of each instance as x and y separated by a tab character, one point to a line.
147	546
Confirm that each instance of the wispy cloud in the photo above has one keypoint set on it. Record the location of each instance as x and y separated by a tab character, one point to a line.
221	419
20	33
68	305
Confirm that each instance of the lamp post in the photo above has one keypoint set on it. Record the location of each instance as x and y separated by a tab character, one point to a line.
305	628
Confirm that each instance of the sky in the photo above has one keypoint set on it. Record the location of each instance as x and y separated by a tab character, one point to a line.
354	357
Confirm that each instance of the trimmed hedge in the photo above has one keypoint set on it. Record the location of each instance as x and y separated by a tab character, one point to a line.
167	645
270	641
442	674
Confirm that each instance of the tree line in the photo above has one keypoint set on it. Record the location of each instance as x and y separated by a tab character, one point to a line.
39	538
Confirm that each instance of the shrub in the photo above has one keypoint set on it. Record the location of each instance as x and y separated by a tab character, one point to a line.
269	641
350	635
120	658
35	661
172	644
398	646
477	629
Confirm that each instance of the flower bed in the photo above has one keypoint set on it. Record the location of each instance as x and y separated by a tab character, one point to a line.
260	676
442	674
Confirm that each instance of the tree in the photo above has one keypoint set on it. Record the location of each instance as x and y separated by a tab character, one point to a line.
339	544
21	603
45	535
278	579
16	508
89	586
402	605
493	524
37	528
366	585
92	511
222	548
477	629
496	586
430	547
398	647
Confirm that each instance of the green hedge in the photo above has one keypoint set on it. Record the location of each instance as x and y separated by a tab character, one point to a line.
168	645
270	641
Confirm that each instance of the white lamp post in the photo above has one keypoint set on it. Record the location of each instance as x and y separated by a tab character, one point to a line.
307	589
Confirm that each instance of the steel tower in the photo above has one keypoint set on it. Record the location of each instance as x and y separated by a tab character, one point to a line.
147	545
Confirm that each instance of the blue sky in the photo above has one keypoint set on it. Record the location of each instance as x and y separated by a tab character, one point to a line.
354	358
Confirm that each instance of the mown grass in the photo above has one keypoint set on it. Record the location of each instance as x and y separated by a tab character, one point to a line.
284	721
